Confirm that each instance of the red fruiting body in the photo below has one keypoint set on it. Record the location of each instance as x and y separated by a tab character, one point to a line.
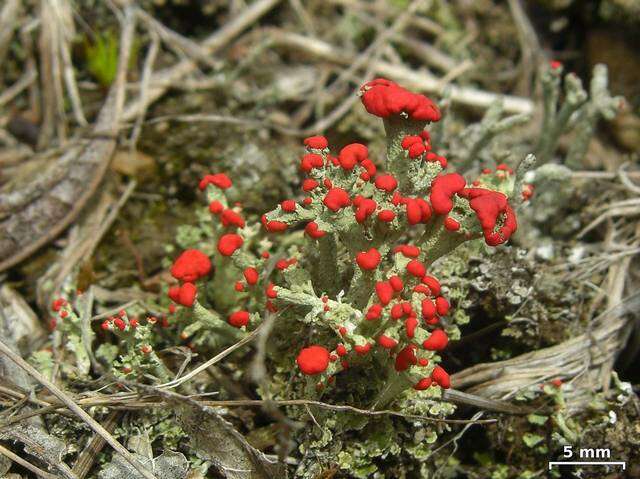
119	323
336	198
362	349
146	349
387	342
433	285
443	188
133	323
416	145
416	268
386	216
316	142
410	325
239	286
172	308
220	180
441	377
451	224
423	384
409	140
312	230
311	161
557	382
106	325
229	243
307	201
191	265
491	206
374	312
416	150
187	294
384	291
57	304
273	226
413	210
385	98
428	309
370	169
442	306
406	358
364	208
313	360
437	341
396	283
64	314
288	205
341	350
239	319
368	260
407	250
386	183
271	292
343	331
396	311
270	307
309	184
231	218
351	155
282	264
251	275
216	207
555	64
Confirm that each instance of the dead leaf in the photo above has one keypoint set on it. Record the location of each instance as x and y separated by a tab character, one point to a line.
215	440
168	465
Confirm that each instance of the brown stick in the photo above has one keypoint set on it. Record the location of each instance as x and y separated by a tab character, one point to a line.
87	457
26	464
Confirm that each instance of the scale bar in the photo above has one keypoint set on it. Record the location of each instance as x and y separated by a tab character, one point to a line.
587	463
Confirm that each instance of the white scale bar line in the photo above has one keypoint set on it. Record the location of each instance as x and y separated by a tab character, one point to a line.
586	463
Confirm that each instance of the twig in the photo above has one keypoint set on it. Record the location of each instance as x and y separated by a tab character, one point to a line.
27	465
132	401
147	71
175	41
462	95
14	90
164	79
69	403
529	44
8	23
212	361
88	455
113	311
64	38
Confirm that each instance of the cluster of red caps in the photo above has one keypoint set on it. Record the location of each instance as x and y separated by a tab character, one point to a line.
193	264
59	306
335	185
395	301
